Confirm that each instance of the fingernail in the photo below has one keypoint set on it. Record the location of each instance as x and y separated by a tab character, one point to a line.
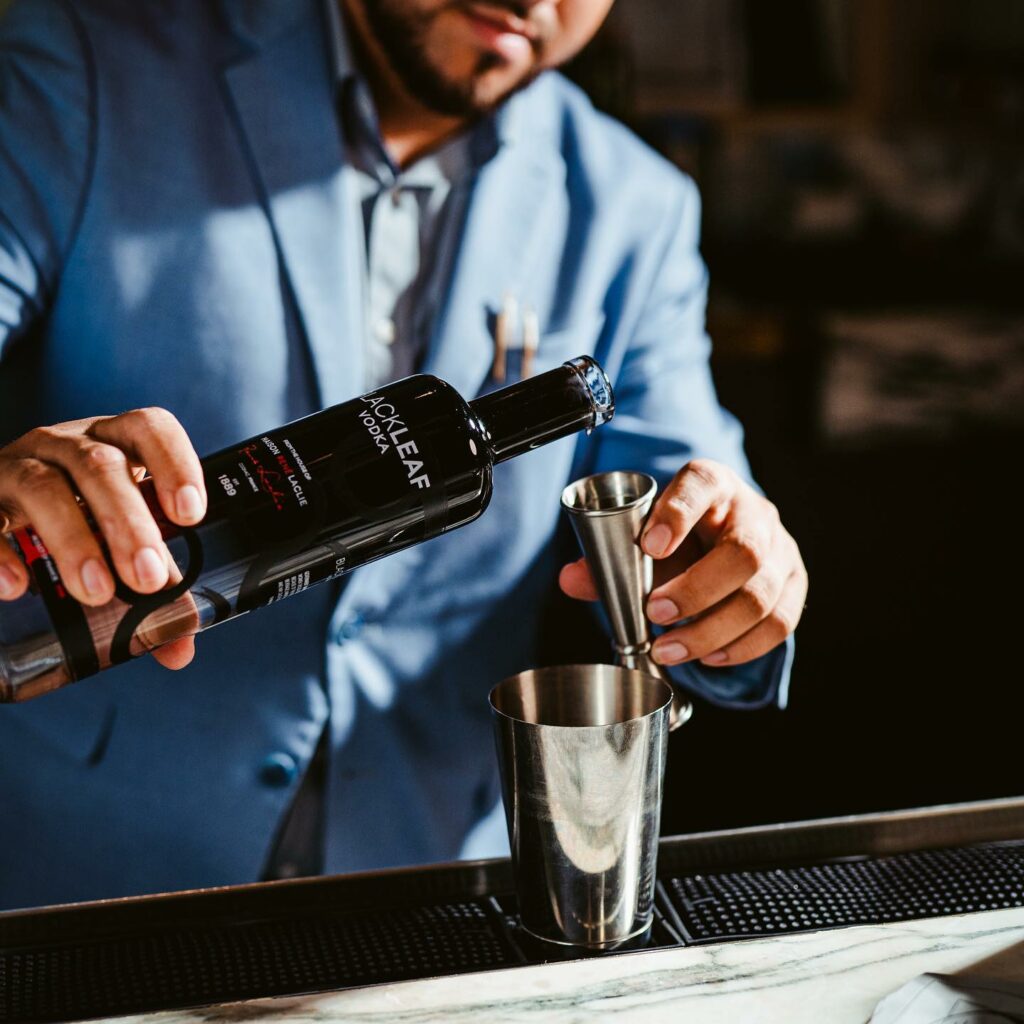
9	584
657	539
188	503
95	578
661	609
716	658
150	568
670	653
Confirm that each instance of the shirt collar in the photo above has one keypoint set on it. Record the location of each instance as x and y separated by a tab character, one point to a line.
466	152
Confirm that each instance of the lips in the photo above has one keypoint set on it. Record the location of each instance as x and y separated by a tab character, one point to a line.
499	30
502	19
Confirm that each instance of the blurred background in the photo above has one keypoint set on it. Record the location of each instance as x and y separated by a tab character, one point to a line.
862	167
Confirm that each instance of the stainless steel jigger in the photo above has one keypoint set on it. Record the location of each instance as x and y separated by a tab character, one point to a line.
608	511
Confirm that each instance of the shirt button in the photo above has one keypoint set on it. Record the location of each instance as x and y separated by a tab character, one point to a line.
278	770
396	197
384	330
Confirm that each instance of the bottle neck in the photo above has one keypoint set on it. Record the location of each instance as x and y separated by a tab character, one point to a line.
575	396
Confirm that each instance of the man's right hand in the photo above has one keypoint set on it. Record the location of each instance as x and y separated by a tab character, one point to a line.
101	461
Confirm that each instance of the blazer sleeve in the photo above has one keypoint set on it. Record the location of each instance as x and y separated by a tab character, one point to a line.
47	102
667	413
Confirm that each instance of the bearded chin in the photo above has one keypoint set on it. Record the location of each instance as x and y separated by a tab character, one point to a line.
402	37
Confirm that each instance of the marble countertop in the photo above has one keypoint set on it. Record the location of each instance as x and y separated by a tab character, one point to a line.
835	976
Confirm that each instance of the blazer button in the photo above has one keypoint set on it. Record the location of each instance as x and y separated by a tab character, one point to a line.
278	770
348	630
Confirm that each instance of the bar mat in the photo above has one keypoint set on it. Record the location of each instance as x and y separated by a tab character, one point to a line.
876	890
191	966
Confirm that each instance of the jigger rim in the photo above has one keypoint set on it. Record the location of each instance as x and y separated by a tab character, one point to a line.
646	489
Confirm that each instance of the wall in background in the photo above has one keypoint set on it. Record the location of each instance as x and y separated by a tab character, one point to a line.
863	179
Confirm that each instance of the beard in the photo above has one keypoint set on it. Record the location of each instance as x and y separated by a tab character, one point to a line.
402	35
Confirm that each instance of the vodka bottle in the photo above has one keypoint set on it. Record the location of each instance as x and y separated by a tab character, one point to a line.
294	507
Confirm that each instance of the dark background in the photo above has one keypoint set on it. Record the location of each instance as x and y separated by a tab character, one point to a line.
863	177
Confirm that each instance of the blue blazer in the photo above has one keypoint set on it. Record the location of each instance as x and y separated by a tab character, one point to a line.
177	229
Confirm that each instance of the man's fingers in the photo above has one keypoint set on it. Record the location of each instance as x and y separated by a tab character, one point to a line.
156	440
102	457
758	598
176	654
736	615
576	581
696	488
722	571
42	477
44	498
771	631
103	476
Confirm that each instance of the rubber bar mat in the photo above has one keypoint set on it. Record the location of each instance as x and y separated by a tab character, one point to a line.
192	966
877	890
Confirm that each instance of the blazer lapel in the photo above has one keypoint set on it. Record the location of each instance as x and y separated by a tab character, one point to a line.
498	248
283	92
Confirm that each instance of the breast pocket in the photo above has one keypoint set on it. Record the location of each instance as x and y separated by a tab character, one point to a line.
555	346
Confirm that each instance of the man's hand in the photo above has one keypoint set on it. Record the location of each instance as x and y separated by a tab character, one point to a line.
101	460
724	563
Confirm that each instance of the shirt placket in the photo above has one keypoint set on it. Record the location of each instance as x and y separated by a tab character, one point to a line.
393	258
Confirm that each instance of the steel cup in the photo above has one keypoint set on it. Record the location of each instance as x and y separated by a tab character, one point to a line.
582	755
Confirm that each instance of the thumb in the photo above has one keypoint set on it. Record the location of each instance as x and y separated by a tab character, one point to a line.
576	581
176	654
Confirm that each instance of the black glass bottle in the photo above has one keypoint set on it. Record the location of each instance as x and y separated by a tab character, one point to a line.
297	506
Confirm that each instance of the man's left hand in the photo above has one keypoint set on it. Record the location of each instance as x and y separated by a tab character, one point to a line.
726	570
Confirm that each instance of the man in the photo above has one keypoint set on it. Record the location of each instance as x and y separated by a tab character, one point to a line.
226	215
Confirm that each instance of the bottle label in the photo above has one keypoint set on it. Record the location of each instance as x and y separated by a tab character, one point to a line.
384	425
277	511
